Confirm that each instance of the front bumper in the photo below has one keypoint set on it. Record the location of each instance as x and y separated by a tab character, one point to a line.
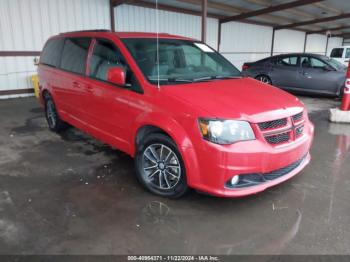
219	163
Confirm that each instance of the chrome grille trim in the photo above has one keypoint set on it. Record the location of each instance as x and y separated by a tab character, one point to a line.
282	130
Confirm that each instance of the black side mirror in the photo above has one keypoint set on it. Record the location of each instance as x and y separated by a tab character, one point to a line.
328	68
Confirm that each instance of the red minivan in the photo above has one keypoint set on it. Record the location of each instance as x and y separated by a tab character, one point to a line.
178	107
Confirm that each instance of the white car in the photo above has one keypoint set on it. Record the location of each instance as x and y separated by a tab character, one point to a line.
341	54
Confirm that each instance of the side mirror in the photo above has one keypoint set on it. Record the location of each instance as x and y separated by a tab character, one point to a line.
328	68
116	75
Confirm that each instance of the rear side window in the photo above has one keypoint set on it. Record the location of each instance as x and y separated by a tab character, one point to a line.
51	53
74	54
287	61
337	52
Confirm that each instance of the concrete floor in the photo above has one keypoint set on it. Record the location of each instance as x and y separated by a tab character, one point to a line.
69	194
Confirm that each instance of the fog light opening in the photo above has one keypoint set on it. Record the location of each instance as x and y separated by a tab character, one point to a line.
234	180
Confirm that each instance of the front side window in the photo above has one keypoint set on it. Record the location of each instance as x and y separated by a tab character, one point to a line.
52	52
182	61
311	62
105	56
74	55
337	52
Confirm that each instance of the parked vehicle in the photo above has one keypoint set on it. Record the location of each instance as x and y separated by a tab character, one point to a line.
300	73
341	54
179	108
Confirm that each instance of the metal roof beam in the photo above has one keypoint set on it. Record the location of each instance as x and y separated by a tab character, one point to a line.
314	21
328	29
268	10
229	8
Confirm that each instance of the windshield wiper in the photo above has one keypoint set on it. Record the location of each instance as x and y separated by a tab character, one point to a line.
209	78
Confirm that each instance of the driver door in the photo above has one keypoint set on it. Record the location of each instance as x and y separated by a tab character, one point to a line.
107	105
316	76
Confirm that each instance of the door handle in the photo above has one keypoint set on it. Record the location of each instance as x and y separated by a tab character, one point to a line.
76	84
306	74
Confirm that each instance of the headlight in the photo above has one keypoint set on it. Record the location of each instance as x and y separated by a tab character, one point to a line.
225	131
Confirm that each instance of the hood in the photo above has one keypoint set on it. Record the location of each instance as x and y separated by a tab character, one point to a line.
243	98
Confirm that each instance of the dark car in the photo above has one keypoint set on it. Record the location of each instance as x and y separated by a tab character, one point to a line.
300	73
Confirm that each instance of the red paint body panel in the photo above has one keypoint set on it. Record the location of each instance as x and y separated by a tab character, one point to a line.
114	115
345	105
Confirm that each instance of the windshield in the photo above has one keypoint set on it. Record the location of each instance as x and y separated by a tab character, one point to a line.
336	64
180	61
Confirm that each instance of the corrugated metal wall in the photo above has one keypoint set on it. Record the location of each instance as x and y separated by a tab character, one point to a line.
134	18
334	42
26	25
241	42
316	44
288	41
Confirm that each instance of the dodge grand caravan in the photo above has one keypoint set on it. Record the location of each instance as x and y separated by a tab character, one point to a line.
178	107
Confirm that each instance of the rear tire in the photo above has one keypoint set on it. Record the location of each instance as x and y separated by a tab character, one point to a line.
52	117
264	79
160	168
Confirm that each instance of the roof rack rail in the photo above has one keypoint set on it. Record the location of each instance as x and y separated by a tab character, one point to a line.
91	30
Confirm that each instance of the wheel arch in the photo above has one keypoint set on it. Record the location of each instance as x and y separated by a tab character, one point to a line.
157	123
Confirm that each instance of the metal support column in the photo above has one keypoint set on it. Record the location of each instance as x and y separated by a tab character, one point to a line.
273	41
219	35
204	20
325	53
111	13
305	41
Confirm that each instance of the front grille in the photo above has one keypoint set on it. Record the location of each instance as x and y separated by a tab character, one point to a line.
273	124
278	139
284	129
247	180
298	117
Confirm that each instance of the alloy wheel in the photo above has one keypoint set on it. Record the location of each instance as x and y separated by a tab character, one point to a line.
161	167
51	113
264	79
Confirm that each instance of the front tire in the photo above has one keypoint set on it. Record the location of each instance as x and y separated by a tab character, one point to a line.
160	168
52	117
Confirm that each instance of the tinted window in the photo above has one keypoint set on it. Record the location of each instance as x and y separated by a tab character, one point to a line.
287	61
74	54
337	53
52	52
105	56
311	62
